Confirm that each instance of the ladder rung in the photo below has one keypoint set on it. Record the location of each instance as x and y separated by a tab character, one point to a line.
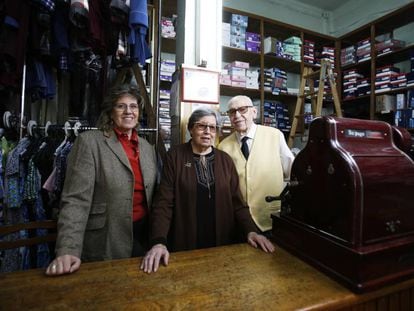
309	94
303	115
312	75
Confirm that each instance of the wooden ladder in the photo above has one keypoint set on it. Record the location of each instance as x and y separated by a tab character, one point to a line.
308	78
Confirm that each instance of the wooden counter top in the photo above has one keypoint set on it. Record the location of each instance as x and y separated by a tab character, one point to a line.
236	277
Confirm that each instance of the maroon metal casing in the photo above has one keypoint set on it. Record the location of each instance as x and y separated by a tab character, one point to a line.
352	211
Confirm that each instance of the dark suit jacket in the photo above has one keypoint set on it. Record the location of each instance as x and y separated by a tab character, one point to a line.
95	219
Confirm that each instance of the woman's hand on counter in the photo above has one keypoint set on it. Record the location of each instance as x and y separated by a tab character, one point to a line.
151	261
63	264
258	240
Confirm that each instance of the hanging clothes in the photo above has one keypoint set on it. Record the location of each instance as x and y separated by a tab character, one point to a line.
24	203
13	41
138	22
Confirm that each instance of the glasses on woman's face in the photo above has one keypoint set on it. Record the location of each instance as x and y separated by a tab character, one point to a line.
241	110
203	127
121	107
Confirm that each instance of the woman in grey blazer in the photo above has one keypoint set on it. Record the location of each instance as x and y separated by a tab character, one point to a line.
109	185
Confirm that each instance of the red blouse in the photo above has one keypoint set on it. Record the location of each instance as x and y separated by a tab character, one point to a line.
131	149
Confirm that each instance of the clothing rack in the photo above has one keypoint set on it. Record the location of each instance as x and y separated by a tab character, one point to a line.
10	121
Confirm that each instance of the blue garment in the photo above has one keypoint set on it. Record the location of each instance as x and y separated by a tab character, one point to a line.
17	258
42	252
60	163
138	22
14	175
60	42
40	83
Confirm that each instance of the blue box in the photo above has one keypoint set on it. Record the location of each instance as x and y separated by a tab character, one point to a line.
239	20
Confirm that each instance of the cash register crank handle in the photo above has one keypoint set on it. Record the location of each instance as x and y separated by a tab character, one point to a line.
289	185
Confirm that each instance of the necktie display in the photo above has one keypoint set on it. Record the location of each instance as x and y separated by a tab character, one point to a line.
245	147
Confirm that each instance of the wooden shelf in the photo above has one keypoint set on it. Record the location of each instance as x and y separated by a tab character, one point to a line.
281	31
282	63
360	107
287	98
396	91
356	99
226	90
168	45
395	56
364	106
230	54
364	66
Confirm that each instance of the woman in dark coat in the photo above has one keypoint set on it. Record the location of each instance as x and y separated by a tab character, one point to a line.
199	203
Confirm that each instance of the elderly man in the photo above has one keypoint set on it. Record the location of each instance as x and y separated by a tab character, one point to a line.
262	160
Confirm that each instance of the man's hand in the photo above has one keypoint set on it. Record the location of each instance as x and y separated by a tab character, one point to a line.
257	240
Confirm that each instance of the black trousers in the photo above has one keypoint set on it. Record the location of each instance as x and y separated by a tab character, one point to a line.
140	245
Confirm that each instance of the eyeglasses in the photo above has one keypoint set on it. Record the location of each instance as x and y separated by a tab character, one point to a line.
202	127
241	110
122	107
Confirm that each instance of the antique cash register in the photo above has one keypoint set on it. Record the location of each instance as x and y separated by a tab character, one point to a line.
349	208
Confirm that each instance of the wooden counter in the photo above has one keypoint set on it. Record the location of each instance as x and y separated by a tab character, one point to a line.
236	277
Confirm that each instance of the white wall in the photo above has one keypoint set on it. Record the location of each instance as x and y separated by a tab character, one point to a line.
345	18
290	12
356	13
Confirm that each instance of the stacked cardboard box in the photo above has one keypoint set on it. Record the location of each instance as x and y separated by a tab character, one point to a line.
273	46
388	46
292	48
164	117
383	78
309	52
348	55
275	114
350	83
253	42
167	69
238	31
167	27
363	51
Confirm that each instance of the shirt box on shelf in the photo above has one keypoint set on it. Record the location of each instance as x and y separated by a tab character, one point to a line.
253	73
400	102
238	84
253	46
238	31
225	26
252	37
235	71
225	37
272	46
239	20
238	42
225	80
239	64
238	78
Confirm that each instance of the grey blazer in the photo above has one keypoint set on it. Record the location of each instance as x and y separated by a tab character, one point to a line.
95	218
